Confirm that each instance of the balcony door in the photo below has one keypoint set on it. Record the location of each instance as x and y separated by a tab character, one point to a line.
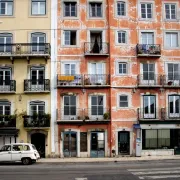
38	40
148	74
173	77
5	78
149	107
174	106
97	73
97	107
95	42
70	109
147	38
37	108
5	41
37	77
5	110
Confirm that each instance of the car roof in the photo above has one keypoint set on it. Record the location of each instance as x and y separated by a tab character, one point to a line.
19	144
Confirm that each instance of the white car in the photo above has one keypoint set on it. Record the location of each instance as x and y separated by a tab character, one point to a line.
24	152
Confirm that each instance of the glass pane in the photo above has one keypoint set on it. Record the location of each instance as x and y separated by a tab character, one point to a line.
73	110
94	110
9	8
100	100
34	7
42	7
7	110
67	69
171	103
1	110
93	100
33	109
72	100
176	104
66	100
41	109
100	110
66	110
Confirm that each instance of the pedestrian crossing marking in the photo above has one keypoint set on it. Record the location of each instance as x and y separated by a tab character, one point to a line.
156	172
159	177
154	169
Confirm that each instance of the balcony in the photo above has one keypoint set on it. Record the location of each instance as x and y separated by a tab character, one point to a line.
19	50
96	80
7	121
69	80
170	81
152	80
37	86
8	86
148	50
172	116
37	121
75	115
96	49
146	114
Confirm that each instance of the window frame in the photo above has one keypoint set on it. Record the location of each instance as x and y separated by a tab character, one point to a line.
37	104
125	8
119	101
39	1
123	63
63	39
174	105
70	105
154	39
117	37
176	9
6	4
76	9
4	104
97	105
152	10
178	40
83	149
89	10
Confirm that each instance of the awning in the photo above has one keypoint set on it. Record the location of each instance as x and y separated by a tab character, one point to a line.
9	132
136	126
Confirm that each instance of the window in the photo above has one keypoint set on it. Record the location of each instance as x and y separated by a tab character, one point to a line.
70	9
83	142
122	37
38	7
149	107
146	11
5	110
121	8
174	106
95	9
38	42
147	37
173	72
97	105
70	38
6	148
170	11
123	101
156	138
70	105
26	148
37	107
5	76
148	71
4	40
6	7
17	148
37	75
70	69
171	39
122	68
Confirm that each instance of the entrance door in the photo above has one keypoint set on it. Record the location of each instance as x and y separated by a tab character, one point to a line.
70	144
38	139
97	144
123	142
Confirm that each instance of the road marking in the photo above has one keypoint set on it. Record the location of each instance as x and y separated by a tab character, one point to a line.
153	169
156	172
81	179
159	177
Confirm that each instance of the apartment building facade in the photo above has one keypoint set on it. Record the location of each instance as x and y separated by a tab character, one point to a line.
25	72
117	77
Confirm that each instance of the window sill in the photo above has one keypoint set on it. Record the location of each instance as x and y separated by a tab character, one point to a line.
38	16
121	17
69	18
123	108
122	75
7	16
70	46
171	20
146	19
169	48
121	44
96	18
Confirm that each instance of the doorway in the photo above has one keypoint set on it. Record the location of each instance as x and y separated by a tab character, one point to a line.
97	144
96	41
70	144
38	139
123	142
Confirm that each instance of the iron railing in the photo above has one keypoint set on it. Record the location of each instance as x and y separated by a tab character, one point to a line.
36	85
37	121
148	49
7	86
7	121
69	80
171	80
147	113
149	80
168	115
20	49
101	48
96	79
73	113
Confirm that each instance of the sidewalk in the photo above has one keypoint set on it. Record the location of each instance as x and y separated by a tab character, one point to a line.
117	159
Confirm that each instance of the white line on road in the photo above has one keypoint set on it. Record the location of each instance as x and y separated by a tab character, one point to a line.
159	177
81	179
153	169
156	172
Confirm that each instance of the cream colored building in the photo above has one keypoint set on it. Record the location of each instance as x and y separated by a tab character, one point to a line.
25	73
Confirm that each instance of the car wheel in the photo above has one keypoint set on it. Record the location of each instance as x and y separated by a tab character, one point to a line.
26	161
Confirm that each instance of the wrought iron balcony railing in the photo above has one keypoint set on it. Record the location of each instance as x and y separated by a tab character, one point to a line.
101	48
69	80
25	49
96	80
171	114
147	80
171	80
37	121
7	86
148	50
149	113
38	85
73	113
7	121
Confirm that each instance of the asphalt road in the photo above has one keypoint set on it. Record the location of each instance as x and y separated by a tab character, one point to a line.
131	170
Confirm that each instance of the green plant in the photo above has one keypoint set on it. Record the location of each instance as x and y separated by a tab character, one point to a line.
87	117
106	115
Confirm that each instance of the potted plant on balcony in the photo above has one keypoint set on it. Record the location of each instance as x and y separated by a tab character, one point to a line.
106	115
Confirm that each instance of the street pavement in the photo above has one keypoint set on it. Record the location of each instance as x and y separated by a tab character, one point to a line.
129	170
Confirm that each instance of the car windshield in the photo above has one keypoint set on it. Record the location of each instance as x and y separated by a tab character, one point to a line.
34	147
